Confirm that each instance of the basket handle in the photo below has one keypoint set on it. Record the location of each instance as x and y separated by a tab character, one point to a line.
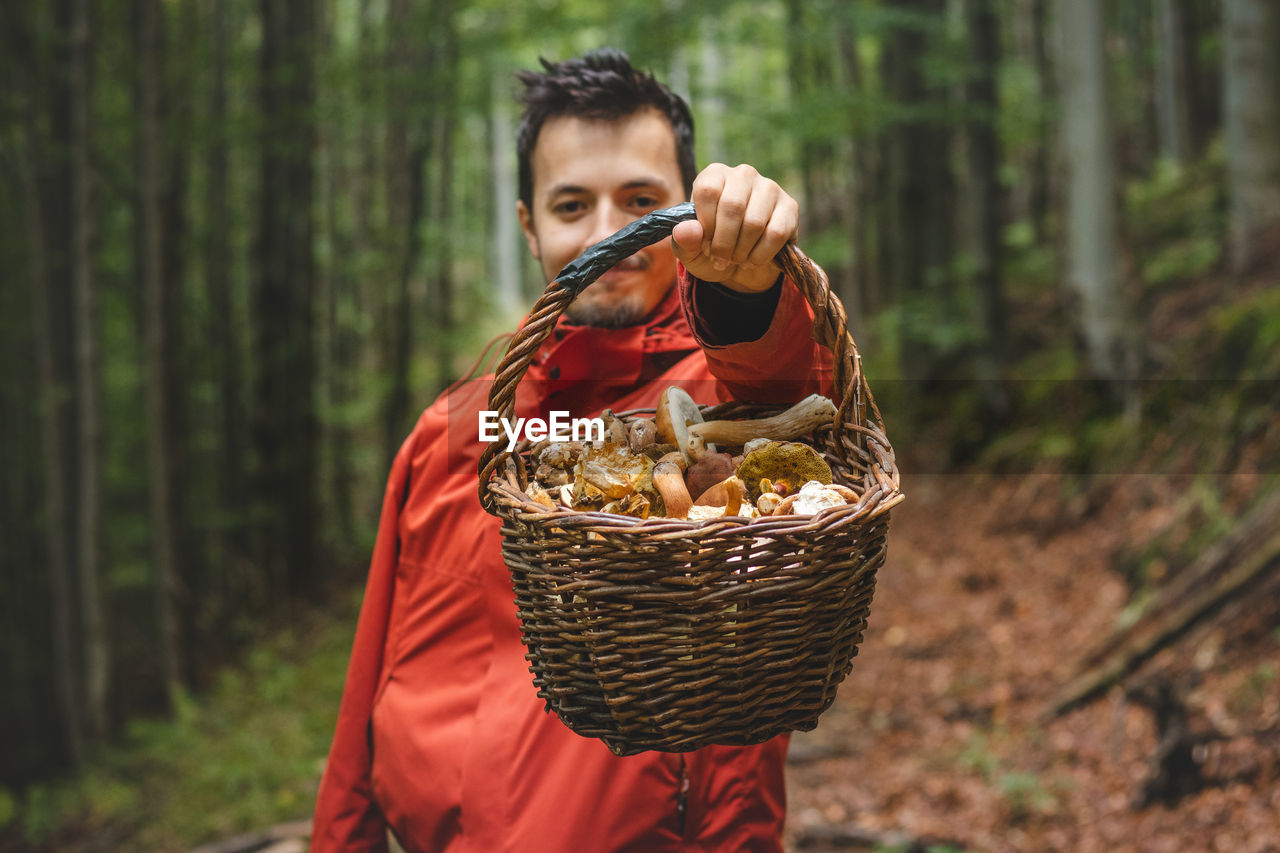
830	329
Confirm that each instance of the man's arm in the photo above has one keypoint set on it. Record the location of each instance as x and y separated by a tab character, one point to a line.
780	364
754	325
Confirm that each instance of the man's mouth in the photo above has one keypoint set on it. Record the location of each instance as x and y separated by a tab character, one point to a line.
635	263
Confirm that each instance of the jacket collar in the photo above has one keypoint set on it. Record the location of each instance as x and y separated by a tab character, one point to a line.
582	368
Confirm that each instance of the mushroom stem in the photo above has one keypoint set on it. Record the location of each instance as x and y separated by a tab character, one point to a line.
802	418
735	490
668	479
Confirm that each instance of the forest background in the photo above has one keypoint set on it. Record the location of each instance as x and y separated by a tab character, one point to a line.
244	244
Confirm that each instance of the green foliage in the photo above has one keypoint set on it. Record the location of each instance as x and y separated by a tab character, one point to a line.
1024	792
8	808
247	755
1177	218
1242	337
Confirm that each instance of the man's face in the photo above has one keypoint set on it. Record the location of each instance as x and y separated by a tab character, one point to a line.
590	178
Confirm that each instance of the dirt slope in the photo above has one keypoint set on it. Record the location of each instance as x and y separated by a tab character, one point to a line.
987	602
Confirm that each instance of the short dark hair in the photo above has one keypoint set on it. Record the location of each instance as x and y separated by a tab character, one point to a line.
601	84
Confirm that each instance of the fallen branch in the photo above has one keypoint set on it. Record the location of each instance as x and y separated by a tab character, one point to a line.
254	841
847	837
1224	572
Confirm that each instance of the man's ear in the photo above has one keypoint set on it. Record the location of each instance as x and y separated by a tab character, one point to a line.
526	225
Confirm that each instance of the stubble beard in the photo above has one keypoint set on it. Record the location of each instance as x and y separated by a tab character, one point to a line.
626	311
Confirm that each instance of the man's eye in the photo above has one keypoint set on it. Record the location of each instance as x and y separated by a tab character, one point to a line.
568	208
645	201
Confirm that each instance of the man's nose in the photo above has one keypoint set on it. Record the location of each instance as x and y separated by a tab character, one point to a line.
609	218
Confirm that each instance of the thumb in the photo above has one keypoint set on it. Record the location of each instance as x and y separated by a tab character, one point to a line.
686	241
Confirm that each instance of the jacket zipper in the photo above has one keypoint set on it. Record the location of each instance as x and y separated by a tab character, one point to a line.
682	797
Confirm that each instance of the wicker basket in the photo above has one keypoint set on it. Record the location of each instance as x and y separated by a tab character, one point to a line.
666	634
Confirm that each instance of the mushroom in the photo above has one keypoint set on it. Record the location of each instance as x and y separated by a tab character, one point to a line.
615	431
801	419
814	497
657	451
676	411
785	465
712	495
634	504
668	479
642	434
560	454
728	493
768	502
732	491
735	491
708	470
550	476
540	495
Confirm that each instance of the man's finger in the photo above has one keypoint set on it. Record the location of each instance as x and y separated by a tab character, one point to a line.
782	227
764	199
686	241
734	200
706	196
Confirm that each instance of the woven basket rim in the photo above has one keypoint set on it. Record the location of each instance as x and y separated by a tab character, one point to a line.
514	502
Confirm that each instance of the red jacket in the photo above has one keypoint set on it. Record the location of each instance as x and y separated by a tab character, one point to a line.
441	737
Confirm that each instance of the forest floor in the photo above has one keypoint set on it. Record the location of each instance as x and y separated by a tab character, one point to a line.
993	591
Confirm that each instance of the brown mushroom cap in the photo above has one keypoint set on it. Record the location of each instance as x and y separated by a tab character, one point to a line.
728	493
641	434
706	472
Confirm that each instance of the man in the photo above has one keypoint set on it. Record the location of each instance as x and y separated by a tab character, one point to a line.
441	738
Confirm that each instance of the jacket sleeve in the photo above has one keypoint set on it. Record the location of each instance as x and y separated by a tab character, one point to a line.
346	818
784	365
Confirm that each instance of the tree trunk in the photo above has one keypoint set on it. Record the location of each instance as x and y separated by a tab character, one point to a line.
1173	117
506	240
984	173
854	291
1093	260
93	593
711	106
285	419
917	244
1204	78
231	453
1251	113
158	353
444	287
404	186
809	73
985	207
1041	182
57	510
335	277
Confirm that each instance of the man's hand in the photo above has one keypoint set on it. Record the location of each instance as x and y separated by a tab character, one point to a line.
744	219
